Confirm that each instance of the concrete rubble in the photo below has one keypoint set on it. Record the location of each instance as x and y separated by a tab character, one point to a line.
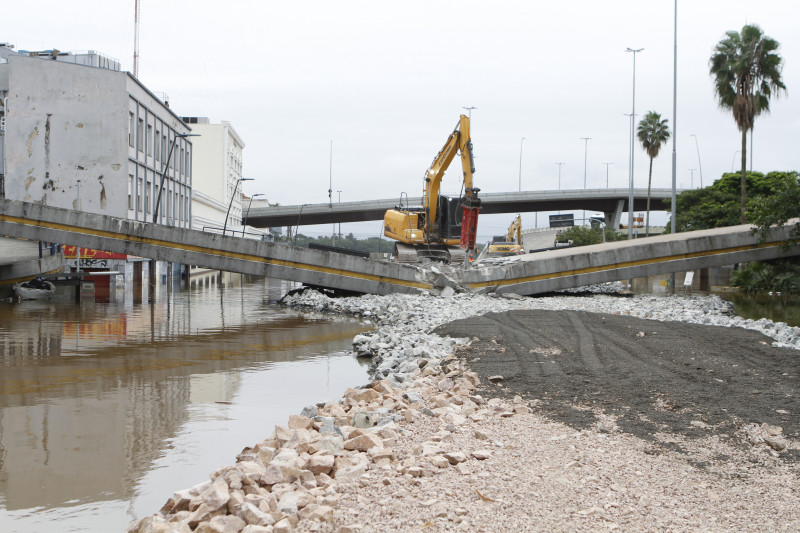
293	480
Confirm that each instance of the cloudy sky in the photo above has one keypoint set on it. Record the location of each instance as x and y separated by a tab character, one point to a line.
386	82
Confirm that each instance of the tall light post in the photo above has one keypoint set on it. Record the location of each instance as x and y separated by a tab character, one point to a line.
606	164
699	164
340	222
330	188
559	163
691	178
248	209
228	212
469	111
520	163
585	157
633	114
165	168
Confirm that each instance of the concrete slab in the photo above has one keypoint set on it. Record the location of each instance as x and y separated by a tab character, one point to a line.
19	260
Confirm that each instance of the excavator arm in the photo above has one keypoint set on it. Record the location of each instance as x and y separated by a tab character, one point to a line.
458	141
429	227
515	231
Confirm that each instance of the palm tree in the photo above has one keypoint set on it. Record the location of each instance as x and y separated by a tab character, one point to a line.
747	71
653	132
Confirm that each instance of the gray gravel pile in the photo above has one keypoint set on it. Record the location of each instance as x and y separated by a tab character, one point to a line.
406	320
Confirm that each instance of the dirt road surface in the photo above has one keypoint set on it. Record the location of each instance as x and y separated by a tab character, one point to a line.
653	377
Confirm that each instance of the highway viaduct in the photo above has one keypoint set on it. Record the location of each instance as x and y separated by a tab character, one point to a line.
526	275
611	202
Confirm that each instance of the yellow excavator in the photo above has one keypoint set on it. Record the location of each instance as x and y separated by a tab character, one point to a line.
510	244
439	230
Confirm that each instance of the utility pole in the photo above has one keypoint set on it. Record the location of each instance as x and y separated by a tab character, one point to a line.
606	164
340	222
633	114
585	159
330	189
559	174
520	163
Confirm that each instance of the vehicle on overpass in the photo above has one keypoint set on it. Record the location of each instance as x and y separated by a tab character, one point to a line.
509	244
443	228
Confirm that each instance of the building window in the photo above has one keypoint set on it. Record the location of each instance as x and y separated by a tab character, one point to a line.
140	195
149	196
131	128
148	140
139	133
157	147
130	191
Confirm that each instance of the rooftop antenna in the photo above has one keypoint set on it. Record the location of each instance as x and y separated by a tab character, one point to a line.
136	42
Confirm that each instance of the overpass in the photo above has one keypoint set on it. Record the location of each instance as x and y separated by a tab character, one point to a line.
526	275
612	202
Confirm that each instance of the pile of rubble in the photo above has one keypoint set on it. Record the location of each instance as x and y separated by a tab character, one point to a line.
293	479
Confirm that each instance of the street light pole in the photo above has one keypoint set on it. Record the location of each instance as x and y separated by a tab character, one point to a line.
165	168
248	209
633	114
520	163
469	111
699	164
559	174
330	188
340	222
585	157
606	164
235	188
691	179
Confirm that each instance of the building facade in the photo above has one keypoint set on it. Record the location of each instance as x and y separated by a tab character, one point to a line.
78	133
216	181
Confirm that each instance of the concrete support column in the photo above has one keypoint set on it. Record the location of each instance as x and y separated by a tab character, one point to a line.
613	218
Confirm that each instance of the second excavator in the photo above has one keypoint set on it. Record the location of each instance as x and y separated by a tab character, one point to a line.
442	229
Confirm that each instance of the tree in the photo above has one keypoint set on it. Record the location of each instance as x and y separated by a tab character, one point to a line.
717	205
584	235
777	208
747	71
653	132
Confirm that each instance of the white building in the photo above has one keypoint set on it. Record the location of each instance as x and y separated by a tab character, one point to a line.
78	133
217	186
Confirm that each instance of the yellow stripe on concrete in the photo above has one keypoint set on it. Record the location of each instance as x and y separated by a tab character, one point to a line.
627	264
26	278
215	252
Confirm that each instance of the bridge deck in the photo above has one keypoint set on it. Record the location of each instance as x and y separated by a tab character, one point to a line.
526	275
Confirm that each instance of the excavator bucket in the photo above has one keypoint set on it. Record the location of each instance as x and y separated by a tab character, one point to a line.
469	227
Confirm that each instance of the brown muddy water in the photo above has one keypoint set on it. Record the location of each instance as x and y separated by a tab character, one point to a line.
108	408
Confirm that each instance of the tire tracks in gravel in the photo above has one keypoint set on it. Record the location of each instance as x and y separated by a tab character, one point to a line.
654	377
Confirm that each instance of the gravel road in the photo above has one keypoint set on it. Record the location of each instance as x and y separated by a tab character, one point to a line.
652	377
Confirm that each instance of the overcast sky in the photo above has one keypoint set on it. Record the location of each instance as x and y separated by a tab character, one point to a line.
386	82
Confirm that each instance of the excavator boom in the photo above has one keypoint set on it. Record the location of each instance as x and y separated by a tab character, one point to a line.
434	224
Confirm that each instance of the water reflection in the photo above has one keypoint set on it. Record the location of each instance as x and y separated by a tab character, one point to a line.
106	409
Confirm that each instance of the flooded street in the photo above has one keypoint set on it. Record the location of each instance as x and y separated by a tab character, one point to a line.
107	408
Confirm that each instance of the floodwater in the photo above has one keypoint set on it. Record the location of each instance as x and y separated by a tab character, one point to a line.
107	408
